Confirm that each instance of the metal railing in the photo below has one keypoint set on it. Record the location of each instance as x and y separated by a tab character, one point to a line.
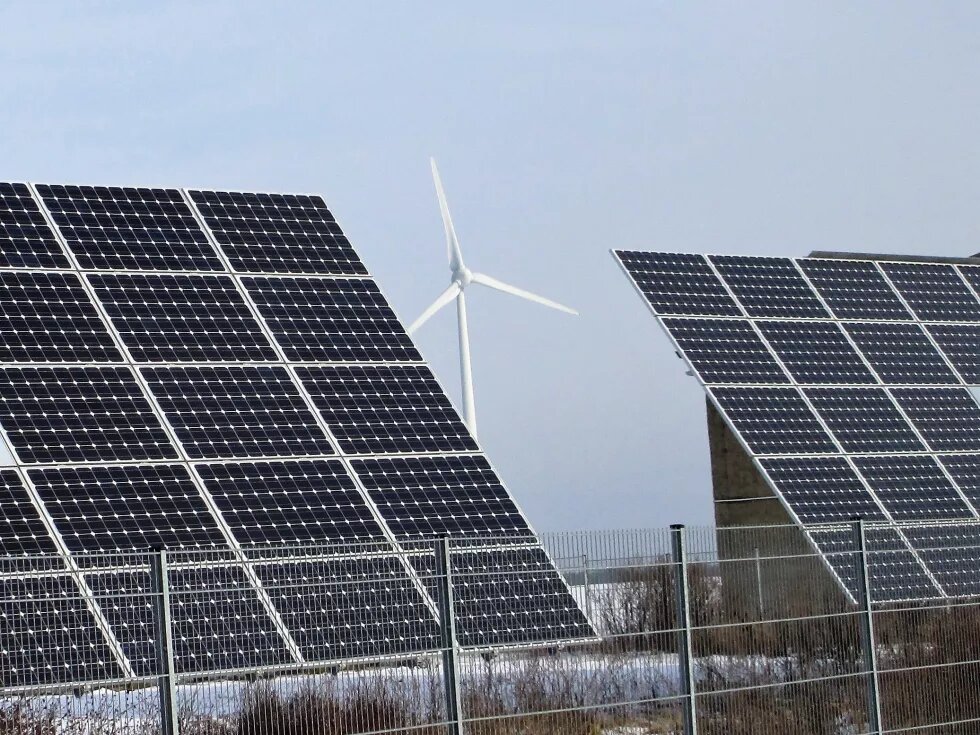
692	630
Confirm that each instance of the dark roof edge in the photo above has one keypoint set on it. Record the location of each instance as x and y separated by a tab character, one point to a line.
974	260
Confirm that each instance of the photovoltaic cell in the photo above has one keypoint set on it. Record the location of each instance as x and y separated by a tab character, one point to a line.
774	420
679	283
182	318
79	414
725	351
901	353
126	508
331	320
236	411
48	635
854	289
948	418
386	409
959	342
821	489
308	502
816	352
935	292
140	229
864	420
350	608
508	597
48	317
26	240
434	497
769	287
21	529
912	487
270	233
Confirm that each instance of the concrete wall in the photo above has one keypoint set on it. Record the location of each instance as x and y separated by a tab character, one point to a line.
771	587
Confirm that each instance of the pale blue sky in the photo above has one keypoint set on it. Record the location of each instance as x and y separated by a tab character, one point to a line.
562	129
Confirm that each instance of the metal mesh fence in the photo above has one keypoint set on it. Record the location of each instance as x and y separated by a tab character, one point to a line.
736	630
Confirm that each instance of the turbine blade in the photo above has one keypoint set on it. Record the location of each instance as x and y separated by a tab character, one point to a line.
452	243
493	283
444	298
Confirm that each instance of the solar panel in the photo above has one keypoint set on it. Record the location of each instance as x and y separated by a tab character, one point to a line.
950	553
201	371
958	343
774	420
854	290
22	531
236	411
276	233
290	502
947	418
219	624
678	283
895	572
126	508
816	352
934	292
26	240
900	353
769	287
864	420
48	317
350	608
821	489
49	635
912	487
181	318
79	414
331	320
386	409
433	497
109	227
878	422
725	351
507	597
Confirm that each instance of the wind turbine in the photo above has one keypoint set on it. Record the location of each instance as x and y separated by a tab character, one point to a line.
462	277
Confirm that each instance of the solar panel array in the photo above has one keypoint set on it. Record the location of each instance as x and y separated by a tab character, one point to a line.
853	385
214	372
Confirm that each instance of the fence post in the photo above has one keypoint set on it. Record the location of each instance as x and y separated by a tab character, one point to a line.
166	677
588	591
758	582
684	647
450	648
869	651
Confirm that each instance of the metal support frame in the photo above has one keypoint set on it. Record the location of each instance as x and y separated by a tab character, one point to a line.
869	652
758	582
684	645
448	642
587	587
166	675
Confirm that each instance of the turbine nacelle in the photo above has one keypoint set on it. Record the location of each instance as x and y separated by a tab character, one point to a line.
462	277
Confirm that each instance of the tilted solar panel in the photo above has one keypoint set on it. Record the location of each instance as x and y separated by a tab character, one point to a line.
853	385
214	373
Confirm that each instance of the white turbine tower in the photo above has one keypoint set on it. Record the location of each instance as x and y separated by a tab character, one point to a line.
462	277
